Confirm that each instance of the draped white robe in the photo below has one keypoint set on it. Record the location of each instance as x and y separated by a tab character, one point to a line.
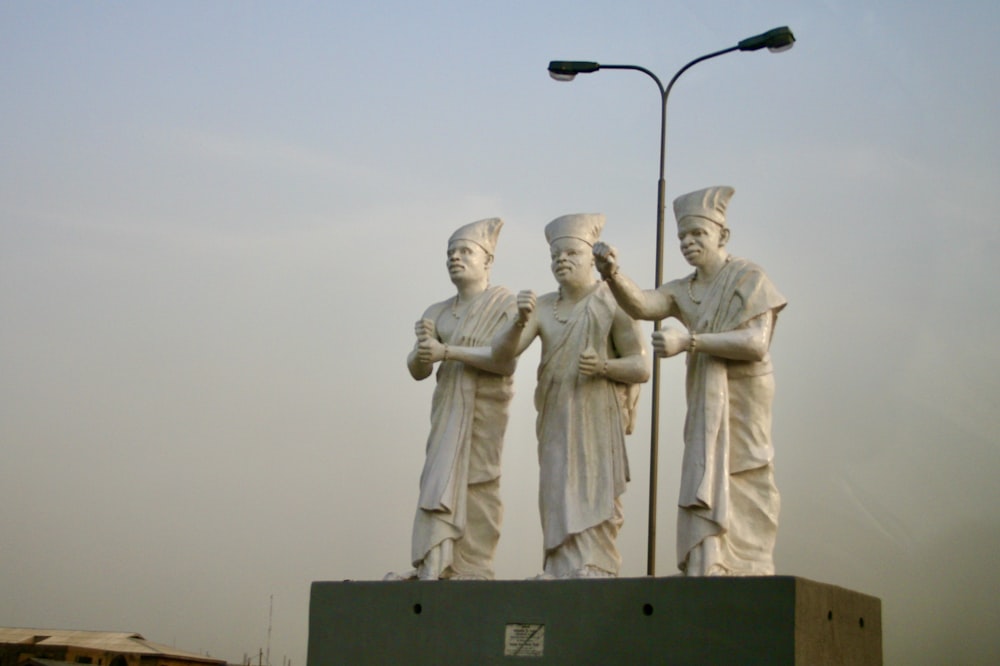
581	444
728	508
459	512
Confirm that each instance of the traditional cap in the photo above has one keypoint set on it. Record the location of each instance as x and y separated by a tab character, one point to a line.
483	233
583	226
709	203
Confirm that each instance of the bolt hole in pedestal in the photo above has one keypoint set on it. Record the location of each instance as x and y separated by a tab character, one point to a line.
647	609
861	620
417	609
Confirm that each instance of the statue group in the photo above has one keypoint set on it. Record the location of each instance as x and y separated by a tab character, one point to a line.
592	362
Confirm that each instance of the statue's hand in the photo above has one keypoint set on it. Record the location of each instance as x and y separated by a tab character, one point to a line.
430	350
526	302
590	362
671	341
606	259
425	329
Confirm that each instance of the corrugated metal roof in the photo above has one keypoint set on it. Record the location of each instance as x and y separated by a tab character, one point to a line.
110	641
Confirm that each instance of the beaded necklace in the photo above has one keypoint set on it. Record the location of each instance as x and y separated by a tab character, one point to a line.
692	277
555	308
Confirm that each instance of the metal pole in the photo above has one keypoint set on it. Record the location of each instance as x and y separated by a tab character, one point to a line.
778	39
661	191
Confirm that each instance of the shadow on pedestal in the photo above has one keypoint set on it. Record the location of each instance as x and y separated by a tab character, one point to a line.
770	620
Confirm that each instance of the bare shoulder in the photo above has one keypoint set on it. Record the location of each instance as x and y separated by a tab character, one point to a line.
624	324
435	310
543	313
672	293
548	298
674	287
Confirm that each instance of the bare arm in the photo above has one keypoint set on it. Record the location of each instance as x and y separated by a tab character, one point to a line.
749	342
515	337
647	304
429	349
630	365
419	365
480	358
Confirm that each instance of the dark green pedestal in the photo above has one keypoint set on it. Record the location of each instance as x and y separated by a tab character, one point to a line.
771	620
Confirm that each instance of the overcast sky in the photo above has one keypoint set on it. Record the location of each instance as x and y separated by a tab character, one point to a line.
219	221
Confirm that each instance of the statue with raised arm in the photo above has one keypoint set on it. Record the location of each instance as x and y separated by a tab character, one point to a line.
457	522
728	509
592	360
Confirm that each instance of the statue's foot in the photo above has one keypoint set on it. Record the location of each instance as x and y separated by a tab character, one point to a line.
392	575
545	575
468	576
590	571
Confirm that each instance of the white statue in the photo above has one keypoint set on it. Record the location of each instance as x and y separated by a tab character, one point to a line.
728	509
457	523
592	360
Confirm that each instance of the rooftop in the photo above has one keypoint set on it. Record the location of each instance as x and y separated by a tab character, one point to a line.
109	641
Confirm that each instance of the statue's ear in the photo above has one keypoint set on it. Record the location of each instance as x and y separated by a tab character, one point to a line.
489	261
724	237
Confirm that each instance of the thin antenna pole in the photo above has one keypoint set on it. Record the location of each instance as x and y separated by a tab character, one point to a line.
270	612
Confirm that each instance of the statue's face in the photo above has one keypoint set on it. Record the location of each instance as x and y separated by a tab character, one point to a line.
700	239
468	261
572	260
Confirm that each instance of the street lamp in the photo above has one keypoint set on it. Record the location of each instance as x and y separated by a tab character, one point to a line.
776	40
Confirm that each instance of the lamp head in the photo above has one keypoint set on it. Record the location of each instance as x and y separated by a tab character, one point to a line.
566	70
776	40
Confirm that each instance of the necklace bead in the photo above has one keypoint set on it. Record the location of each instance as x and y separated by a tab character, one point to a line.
691	279
690	290
555	308
454	303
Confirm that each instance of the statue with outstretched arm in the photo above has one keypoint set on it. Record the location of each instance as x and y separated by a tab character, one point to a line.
728	508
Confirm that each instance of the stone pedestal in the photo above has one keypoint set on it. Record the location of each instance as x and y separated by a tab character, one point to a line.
770	620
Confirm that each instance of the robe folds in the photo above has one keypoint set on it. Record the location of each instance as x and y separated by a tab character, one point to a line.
459	485
729	503
581	428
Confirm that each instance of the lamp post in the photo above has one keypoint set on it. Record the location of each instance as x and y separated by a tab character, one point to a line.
776	40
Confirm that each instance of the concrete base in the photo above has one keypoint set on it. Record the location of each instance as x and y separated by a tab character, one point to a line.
769	620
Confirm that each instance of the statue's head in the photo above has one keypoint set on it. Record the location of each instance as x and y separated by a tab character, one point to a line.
470	250
571	243
701	222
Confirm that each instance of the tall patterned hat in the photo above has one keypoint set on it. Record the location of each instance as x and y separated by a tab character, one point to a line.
709	203
483	233
582	226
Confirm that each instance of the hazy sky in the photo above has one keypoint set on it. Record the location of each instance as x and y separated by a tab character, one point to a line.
219	221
